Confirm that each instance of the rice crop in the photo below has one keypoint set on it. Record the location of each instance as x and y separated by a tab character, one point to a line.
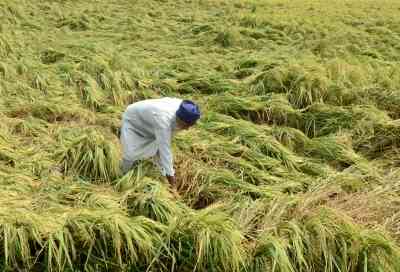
294	165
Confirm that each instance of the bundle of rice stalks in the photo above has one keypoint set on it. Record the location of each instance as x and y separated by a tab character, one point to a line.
5	70
250	108
83	195
335	242
192	183
54	110
117	85
152	199
5	47
89	90
225	186
386	99
85	239
245	68
292	138
30	127
112	240
251	21
40	82
321	120
303	85
384	137
89	154
271	255
252	136
206	240
315	239
50	56
121	88
251	165
8	155
332	149
206	84
201	185
226	38
12	182
273	108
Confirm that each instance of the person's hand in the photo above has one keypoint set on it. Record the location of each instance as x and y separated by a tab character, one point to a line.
172	181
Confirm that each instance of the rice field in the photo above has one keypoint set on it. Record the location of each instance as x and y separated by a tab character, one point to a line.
294	166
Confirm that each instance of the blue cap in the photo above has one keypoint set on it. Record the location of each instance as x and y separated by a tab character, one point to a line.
188	112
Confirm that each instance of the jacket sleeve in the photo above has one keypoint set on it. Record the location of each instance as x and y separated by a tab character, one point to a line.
163	135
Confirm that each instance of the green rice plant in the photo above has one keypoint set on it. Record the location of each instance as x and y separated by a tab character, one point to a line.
21	68
63	229
90	155
206	240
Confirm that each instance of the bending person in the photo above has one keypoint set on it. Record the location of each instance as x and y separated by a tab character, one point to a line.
147	130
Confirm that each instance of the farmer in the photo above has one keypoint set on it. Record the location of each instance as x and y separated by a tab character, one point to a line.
147	130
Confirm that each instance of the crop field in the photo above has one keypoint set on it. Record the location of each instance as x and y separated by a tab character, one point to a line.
293	167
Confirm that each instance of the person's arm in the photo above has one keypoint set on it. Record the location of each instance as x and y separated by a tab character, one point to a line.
156	161
163	135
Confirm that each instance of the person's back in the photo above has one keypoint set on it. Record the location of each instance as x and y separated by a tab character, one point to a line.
145	115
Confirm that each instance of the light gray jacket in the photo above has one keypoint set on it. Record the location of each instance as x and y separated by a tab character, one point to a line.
153	122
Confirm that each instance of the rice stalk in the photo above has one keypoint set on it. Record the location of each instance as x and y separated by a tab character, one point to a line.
209	238
150	198
90	93
91	155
